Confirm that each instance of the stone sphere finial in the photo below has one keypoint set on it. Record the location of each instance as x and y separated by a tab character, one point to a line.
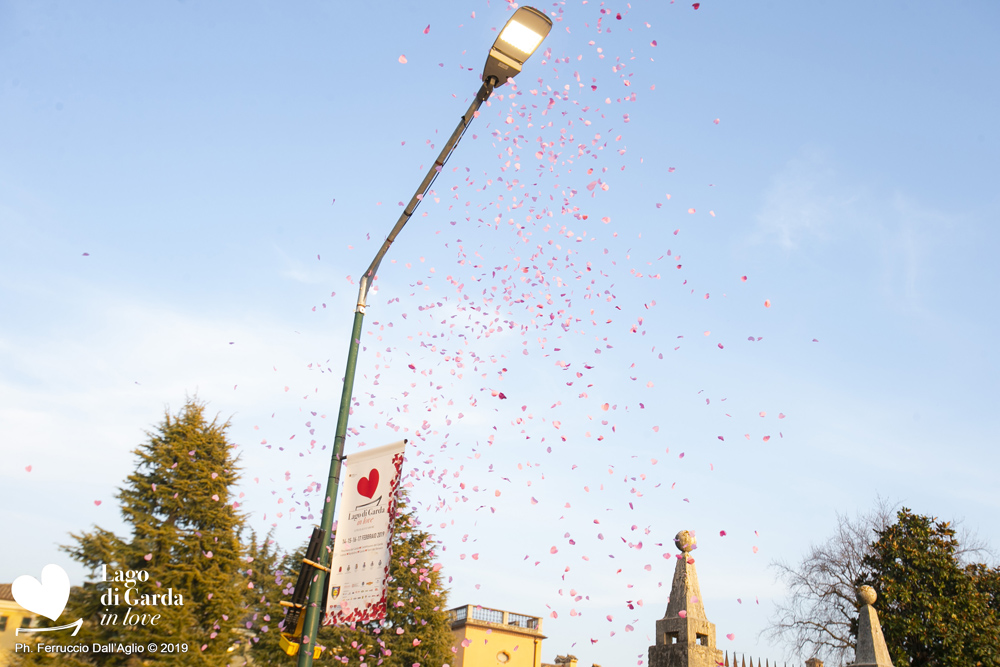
685	541
866	595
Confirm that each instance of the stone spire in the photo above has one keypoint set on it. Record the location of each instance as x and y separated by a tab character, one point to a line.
685	595
871	650
684	636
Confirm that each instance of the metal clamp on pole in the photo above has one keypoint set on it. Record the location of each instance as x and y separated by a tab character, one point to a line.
294	618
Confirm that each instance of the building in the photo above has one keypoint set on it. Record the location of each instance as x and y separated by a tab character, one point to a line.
485	637
12	617
563	661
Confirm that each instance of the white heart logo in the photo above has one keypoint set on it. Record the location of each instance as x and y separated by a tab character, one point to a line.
47	598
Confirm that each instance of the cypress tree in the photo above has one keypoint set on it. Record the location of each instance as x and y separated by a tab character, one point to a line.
271	579
184	549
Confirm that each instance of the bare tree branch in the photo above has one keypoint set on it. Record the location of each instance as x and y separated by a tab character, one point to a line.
816	617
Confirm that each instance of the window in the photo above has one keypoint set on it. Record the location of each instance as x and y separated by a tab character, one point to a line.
702	639
26	622
3	624
671	638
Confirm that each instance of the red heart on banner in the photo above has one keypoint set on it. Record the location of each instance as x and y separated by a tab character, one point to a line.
367	485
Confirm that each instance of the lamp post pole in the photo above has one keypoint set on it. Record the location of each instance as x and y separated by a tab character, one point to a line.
517	41
313	611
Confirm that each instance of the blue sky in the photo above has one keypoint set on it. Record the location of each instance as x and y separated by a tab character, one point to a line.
188	192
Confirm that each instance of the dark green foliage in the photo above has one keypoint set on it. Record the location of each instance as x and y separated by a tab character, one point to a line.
185	537
933	611
417	603
267	571
273	576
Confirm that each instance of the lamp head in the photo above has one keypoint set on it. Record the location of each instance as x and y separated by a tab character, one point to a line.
514	45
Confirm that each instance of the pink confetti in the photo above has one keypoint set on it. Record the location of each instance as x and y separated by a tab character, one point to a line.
767	303
28	468
97	502
653	43
722	533
427	29
716	121
696	5
730	636
148	557
682	613
402	60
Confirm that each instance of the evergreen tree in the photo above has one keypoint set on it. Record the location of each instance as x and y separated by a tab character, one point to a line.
933	611
416	628
184	550
272	575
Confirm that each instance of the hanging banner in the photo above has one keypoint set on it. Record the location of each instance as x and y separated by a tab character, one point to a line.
359	569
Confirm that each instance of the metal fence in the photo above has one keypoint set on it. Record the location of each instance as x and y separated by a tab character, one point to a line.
494	616
521	621
745	661
488	615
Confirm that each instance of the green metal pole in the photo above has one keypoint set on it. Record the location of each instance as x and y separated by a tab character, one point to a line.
311	623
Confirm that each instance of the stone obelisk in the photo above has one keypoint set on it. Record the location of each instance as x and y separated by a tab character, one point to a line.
871	650
684	636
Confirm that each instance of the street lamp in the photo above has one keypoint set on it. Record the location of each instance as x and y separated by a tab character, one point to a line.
519	38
